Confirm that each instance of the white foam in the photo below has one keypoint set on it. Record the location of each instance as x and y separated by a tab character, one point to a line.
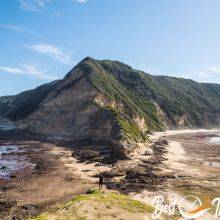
10	162
215	140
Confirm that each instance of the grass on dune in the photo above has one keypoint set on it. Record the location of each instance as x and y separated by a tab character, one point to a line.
109	200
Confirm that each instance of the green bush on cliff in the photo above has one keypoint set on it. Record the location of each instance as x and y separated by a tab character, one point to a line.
133	103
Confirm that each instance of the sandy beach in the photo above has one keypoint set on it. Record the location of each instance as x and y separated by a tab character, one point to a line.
189	164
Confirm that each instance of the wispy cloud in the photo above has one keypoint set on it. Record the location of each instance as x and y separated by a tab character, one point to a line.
9	69
28	70
51	51
57	13
38	5
33	5
209	74
17	28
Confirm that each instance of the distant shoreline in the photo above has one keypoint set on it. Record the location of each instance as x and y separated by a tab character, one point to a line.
195	163
156	135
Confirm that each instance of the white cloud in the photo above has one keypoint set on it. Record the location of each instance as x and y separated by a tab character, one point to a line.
16	28
28	70
33	5
81	1
215	69
10	70
51	51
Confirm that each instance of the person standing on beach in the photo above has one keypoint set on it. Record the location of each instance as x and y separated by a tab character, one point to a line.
100	181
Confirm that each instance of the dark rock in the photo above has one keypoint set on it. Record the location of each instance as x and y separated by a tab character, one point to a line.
68	178
5	206
86	154
30	209
148	152
86	171
113	173
73	154
109	160
161	142
13	176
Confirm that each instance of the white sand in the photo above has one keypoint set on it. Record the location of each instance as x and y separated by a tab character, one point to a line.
176	155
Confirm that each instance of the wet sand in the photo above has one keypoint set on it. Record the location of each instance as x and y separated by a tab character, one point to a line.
52	181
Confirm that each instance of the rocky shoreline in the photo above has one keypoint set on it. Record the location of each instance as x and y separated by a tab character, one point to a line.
143	174
154	167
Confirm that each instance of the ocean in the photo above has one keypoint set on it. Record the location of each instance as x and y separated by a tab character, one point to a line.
10	162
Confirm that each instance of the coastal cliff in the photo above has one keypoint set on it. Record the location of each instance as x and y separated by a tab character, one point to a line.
108	102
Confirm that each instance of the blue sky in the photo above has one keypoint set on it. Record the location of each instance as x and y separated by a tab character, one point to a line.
41	40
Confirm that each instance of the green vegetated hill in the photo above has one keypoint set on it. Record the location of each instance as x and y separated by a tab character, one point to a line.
112	102
6	103
184	102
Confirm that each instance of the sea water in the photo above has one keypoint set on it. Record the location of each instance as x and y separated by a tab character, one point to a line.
10	162
7	149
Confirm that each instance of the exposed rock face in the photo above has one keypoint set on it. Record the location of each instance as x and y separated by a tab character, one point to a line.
108	102
70	112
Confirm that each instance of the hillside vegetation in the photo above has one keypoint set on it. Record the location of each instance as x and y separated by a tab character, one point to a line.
197	103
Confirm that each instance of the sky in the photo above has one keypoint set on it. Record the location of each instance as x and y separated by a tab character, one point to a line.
41	40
